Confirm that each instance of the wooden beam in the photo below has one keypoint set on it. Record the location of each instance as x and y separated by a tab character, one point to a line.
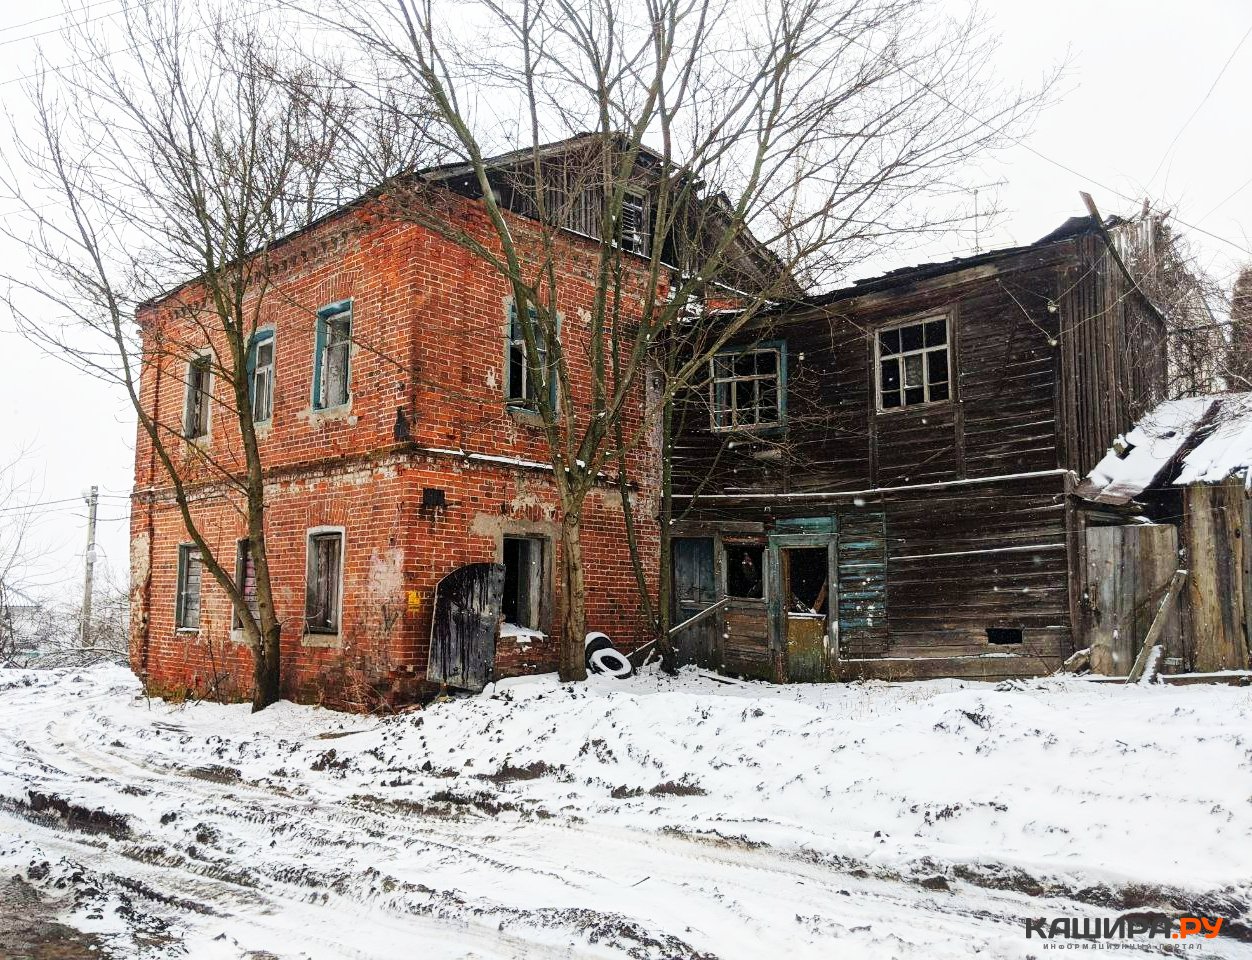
1153	636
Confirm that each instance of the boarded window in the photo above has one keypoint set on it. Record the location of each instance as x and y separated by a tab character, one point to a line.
748	388
196	411
913	365
261	376
635	233
190	577
520	385
322	582
245	580
332	372
523	581
745	571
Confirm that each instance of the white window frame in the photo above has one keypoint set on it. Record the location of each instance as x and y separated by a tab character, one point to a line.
309	537
180	589
779	386
327	316
204	358
261	337
923	351
643	238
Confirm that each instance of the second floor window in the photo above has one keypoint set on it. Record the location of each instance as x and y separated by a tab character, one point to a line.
261	376
913	364
332	364
322	581
196	408
520	387
748	388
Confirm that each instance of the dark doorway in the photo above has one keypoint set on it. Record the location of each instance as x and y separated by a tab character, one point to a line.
807	588
694	590
523	581
805	581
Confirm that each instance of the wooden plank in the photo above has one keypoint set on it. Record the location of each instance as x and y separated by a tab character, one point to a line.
1153	637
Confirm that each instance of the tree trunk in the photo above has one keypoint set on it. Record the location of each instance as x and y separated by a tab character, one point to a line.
265	667
573	662
665	579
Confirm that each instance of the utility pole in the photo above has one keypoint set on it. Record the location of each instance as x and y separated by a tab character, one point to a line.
89	564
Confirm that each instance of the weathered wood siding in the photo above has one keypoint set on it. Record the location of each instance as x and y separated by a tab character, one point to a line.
1217	523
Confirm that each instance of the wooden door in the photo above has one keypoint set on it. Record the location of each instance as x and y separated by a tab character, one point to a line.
467	614
695	590
805	597
1128	571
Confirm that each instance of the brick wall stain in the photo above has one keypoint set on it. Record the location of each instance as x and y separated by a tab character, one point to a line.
429	321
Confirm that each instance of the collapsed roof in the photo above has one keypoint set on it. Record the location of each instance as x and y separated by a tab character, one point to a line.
1179	442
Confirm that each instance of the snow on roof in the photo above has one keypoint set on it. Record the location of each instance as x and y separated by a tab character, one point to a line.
1192	440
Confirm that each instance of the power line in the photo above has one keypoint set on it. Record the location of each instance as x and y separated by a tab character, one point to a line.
53	16
1200	105
52	30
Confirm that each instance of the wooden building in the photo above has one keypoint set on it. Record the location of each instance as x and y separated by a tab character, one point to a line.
877	482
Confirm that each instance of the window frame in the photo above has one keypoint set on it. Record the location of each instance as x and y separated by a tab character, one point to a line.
203	359
921	320
777	347
522	403
255	342
326	315
311	536
180	589
645	216
241	583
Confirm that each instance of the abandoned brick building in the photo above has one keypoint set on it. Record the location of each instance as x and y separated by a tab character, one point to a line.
399	444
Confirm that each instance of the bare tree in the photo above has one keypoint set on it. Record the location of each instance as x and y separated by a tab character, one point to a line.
18	494
176	148
777	141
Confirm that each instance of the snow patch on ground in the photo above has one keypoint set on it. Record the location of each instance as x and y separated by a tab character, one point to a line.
650	818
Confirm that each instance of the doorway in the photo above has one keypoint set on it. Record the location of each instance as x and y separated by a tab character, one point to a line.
804	573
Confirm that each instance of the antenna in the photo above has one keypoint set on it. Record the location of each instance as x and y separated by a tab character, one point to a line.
977	224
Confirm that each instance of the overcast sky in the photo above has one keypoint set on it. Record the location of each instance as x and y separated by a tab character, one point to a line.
1155	103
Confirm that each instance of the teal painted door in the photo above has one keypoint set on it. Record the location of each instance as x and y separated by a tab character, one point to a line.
694	590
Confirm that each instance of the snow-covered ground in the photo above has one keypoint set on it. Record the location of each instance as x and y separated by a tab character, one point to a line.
648	818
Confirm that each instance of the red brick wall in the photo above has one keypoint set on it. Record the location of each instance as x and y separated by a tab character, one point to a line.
430	321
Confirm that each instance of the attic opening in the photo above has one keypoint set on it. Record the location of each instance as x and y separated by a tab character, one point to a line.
1004	636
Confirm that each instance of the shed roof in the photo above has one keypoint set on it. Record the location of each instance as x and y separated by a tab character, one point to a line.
1179	442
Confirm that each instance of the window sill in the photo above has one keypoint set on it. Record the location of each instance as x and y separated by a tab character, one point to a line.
325	641
524	415
912	408
186	631
339	412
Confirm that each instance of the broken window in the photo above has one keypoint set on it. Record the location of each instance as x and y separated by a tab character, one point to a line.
332	369
520	387
245	580
322	581
190	577
913	365
635	222
196	410
261	375
745	571
807	581
523	581
748	387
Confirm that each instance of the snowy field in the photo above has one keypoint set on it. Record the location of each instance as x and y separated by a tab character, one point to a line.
651	818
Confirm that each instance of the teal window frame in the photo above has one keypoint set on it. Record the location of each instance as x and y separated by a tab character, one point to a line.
726	383
327	317
514	340
258	339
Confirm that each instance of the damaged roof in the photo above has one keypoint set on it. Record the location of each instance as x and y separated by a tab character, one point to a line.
1179	442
